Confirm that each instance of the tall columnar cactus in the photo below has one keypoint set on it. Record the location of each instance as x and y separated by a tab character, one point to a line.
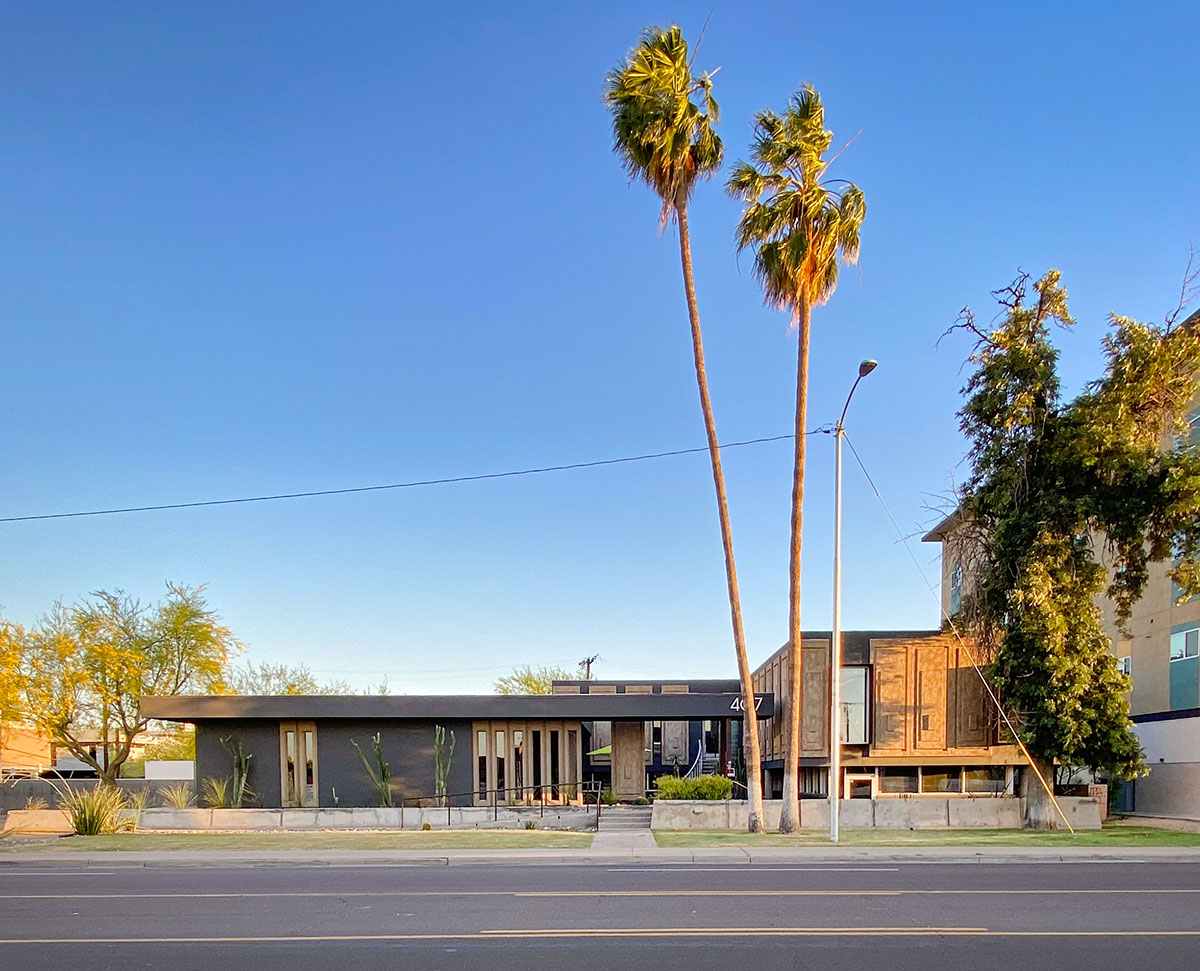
443	756
380	772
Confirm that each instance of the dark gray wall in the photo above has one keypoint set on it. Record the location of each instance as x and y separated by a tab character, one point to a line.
260	739
407	748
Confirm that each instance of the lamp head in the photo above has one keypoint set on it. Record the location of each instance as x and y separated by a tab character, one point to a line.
867	367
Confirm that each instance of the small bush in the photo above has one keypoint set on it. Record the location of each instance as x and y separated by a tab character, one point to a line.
426	826
530	824
95	811
641	801
701	787
215	793
36	803
178	795
608	797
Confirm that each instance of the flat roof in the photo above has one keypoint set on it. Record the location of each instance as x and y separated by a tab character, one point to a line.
572	707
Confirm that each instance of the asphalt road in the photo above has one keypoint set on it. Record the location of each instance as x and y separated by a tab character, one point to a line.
1016	917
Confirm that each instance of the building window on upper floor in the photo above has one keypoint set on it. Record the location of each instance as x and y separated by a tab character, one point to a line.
1185	668
1125	665
1185	644
956	588
854	704
1191	437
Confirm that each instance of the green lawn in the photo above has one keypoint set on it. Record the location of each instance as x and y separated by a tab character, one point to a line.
470	839
1109	836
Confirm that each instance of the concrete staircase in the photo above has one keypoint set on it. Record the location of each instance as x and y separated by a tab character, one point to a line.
624	819
624	829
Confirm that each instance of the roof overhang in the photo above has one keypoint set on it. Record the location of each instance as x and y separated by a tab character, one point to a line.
604	707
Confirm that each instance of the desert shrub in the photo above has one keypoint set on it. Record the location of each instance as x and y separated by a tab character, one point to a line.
641	801
100	809
36	803
701	787
608	797
530	824
426	826
178	795
215	793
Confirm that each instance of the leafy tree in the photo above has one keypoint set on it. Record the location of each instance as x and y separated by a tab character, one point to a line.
799	227
280	679
86	667
666	139
1063	496
535	681
179	746
11	708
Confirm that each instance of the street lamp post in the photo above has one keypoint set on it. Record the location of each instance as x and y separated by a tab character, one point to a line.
835	640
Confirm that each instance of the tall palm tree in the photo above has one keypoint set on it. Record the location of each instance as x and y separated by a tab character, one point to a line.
798	226
666	139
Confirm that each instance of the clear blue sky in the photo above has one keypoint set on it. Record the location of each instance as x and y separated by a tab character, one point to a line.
271	247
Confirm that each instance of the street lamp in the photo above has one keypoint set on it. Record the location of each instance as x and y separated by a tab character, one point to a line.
835	640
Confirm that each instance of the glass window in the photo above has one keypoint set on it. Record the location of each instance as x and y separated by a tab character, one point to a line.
854	705
481	745
518	761
987	779
941	780
290	746
1177	641
956	588
537	763
1125	664
656	741
898	779
500	763
554	767
1191	643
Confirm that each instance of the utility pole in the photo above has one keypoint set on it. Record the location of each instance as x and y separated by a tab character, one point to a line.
835	640
586	664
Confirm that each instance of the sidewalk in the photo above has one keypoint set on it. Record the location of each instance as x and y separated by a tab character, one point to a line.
615	855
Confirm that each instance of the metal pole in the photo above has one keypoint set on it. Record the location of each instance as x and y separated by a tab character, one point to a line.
835	638
835	667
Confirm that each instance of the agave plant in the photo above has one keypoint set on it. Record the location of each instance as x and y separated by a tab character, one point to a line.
215	793
178	795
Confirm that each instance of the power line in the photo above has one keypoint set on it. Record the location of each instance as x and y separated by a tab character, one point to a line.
449	480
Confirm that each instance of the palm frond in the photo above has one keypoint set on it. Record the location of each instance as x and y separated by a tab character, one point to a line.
799	227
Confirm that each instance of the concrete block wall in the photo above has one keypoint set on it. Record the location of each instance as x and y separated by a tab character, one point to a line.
929	812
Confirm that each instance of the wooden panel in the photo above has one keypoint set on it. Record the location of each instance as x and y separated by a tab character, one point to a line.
602	689
674	689
565	689
628	765
970	703
639	689
929	671
814	699
891	698
675	743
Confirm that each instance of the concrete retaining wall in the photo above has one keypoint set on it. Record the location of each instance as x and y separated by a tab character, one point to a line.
467	817
928	812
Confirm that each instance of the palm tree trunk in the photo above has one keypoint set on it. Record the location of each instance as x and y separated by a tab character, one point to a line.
750	721
789	817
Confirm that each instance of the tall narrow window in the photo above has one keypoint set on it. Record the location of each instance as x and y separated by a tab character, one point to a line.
291	789
500	765
573	762
518	769
537	763
554	755
481	750
309	797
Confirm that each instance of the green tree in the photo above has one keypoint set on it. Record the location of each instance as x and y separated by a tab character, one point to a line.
663	118
85	668
280	679
529	680
1069	500
799	226
11	708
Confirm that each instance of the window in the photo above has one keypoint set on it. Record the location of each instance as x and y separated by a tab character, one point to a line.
893	779
1125	665
987	779
941	780
1191	437
298	763
481	750
1185	644
956	588
854	705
